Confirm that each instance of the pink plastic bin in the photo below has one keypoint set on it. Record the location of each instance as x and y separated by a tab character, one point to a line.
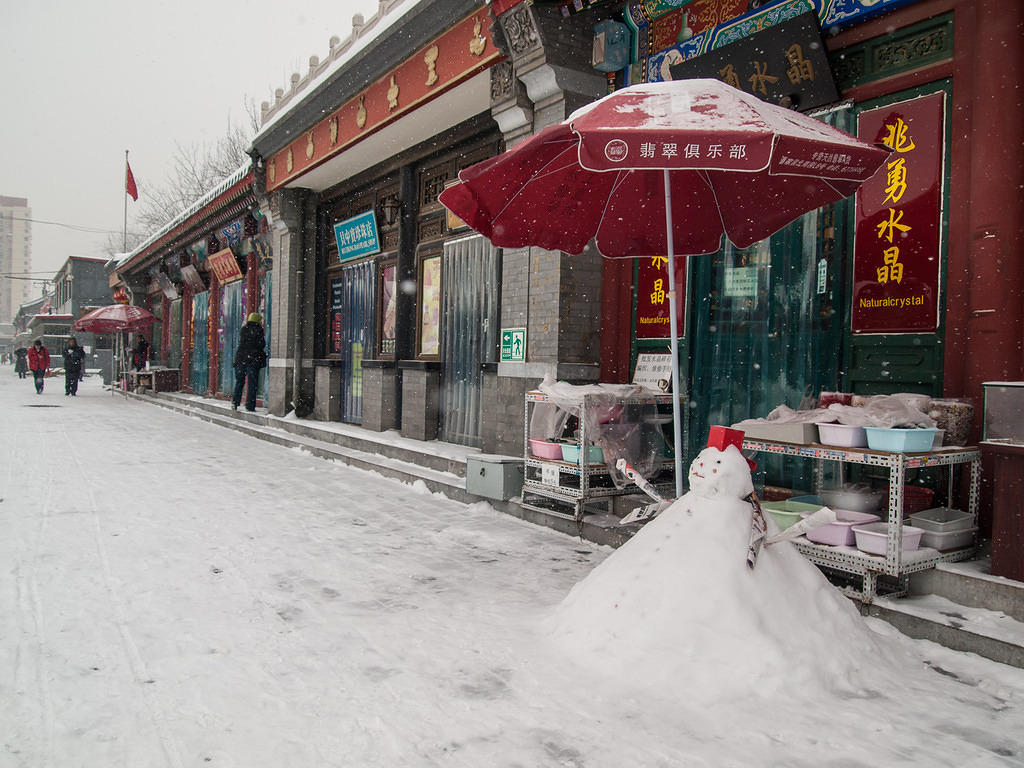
544	449
840	533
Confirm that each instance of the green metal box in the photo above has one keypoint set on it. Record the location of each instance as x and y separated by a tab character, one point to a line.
494	477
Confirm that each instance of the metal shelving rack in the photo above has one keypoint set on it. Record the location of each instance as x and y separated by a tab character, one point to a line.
564	489
896	563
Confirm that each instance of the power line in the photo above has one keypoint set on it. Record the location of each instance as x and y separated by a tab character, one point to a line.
31	279
76	227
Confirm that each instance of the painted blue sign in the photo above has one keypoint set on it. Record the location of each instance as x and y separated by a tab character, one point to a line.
357	236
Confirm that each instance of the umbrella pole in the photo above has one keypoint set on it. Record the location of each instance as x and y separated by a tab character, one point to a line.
677	426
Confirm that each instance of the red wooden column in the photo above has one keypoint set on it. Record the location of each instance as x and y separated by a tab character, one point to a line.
985	320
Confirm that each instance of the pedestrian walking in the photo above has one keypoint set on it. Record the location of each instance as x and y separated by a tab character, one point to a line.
250	357
141	353
38	363
21	362
74	357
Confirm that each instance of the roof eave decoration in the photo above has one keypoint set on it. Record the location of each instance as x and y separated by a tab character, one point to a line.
449	60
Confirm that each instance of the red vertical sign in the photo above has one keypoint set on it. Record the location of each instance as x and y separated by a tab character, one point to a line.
652	316
898	243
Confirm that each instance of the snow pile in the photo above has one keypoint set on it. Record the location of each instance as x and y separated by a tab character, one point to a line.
677	608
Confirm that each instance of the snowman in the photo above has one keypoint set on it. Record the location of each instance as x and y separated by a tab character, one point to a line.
680	604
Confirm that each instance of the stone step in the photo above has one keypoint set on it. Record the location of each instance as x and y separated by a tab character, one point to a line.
971	584
437	455
961	606
986	632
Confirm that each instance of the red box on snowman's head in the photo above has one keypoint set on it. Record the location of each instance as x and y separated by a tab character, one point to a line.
722	437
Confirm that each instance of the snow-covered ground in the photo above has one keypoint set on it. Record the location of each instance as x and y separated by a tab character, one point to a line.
173	593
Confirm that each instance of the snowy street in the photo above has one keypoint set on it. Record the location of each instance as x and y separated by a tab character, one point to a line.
175	594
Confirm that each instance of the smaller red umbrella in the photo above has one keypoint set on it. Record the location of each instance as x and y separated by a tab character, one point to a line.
119	319
116	317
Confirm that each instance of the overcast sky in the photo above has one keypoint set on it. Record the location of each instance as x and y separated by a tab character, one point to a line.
84	81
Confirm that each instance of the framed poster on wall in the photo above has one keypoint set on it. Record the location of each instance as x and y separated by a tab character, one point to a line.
388	282
429	334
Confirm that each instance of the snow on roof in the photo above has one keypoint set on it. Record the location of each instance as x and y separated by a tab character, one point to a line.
388	14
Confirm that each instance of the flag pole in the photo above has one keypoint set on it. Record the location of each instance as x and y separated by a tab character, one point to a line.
124	239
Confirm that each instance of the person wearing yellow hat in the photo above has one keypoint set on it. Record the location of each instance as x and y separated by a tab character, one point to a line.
250	357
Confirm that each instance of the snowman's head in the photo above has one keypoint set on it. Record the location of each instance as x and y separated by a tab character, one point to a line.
718	474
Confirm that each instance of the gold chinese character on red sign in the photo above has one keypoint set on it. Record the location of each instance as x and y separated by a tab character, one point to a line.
799	69
892	270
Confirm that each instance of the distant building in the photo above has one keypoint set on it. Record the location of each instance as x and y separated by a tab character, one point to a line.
80	285
6	338
15	255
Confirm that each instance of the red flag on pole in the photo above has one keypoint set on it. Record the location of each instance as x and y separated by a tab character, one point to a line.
129	182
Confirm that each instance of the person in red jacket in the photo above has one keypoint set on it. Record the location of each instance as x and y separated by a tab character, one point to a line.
38	362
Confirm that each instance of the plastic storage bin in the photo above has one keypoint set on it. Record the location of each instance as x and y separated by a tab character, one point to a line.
840	533
787	512
900	440
545	449
948	540
872	538
941	520
844	435
571	453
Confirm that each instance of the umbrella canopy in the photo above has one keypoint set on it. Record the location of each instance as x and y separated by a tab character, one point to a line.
739	166
660	169
116	317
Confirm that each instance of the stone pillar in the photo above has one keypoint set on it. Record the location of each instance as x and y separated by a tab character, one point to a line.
555	296
421	398
380	395
327	400
286	210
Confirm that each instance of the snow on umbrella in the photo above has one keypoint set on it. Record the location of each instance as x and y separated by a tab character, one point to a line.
659	169
114	318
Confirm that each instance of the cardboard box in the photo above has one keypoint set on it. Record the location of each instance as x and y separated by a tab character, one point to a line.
783	433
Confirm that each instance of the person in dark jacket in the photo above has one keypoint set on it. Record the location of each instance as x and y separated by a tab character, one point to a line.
74	357
250	357
21	362
141	353
38	363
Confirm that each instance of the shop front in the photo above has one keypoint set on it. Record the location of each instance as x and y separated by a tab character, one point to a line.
201	275
871	295
387	308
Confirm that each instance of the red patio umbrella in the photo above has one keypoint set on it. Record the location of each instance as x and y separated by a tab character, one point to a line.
119	319
661	169
115	318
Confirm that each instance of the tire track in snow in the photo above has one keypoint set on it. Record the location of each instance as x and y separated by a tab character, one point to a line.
30	672
131	649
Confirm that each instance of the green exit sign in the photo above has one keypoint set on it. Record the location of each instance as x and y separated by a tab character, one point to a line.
513	345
